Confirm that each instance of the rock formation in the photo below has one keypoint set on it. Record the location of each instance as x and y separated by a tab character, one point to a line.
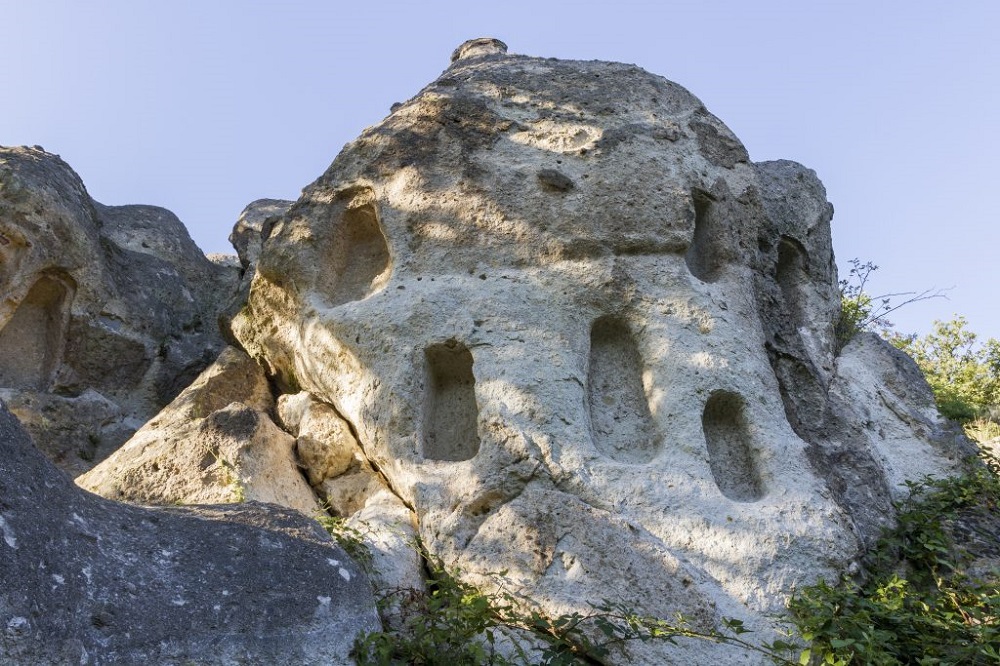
589	342
247	237
106	312
214	443
88	581
547	317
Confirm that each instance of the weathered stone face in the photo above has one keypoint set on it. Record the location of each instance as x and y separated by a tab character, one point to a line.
106	312
556	300
88	581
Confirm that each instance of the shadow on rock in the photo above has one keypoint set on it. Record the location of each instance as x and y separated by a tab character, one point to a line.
90	581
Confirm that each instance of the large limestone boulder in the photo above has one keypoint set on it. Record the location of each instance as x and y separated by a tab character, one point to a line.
214	443
590	343
88	581
217	443
106	312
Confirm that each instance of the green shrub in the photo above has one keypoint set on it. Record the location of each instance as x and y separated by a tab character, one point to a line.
920	604
859	311
964	375
457	624
347	537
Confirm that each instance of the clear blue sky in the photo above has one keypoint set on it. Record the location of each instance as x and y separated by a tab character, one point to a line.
203	106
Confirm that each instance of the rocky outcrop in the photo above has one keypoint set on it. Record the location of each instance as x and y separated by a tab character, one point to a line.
589	343
546	319
88	581
252	226
350	488
865	412
214	443
106	312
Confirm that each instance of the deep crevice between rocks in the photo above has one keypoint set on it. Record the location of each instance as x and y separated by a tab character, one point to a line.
836	451
277	392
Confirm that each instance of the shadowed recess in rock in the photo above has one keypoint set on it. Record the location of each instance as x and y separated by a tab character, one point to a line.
361	263
729	454
702	257
792	279
31	343
451	414
620	419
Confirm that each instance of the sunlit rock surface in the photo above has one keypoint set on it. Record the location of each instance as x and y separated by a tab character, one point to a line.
547	317
589	343
214	443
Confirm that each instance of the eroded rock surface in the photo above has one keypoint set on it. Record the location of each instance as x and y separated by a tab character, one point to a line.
88	581
114	306
865	412
217	443
350	488
591	344
214	443
248	234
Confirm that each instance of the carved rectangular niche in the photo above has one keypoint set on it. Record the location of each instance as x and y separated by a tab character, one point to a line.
451	416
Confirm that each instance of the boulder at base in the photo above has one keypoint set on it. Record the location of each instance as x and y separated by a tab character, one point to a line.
215	443
89	581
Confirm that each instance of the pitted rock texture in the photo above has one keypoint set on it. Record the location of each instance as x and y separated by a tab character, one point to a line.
592	345
249	232
253	226
103	304
88	581
350	488
865	412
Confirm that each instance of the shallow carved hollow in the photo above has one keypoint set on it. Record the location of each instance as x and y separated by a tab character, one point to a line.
729	453
31	343
361	262
792	278
451	415
703	257
620	420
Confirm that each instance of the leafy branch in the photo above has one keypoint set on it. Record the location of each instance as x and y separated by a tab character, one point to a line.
921	602
862	312
456	623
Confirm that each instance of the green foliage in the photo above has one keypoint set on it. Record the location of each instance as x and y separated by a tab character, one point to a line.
231	477
351	539
919	604
965	376
458	624
982	430
860	311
